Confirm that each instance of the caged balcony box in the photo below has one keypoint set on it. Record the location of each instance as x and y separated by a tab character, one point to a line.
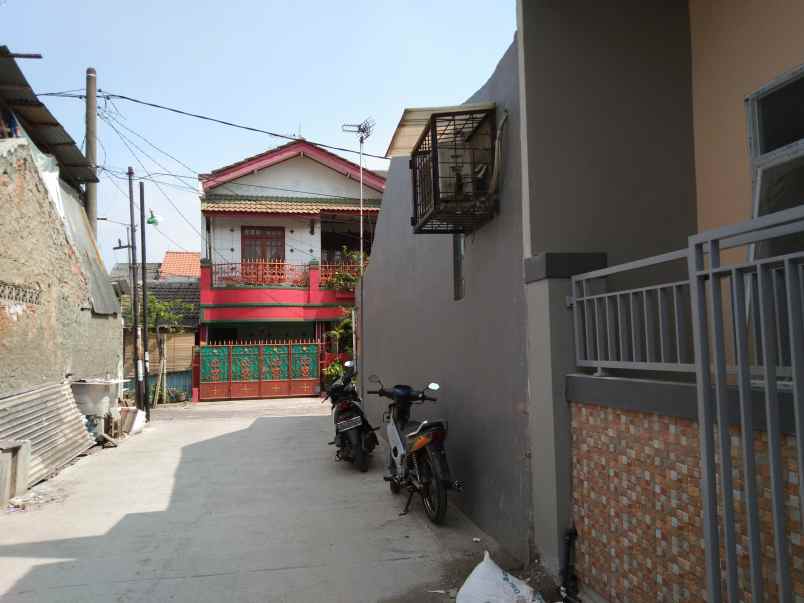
453	169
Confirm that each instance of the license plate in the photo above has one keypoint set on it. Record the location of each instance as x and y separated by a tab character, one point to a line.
349	423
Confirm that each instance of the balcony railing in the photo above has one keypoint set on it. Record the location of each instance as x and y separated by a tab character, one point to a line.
260	273
650	327
339	276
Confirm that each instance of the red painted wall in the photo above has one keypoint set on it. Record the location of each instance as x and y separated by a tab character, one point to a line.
300	298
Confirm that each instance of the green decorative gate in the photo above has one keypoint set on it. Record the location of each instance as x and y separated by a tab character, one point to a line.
259	370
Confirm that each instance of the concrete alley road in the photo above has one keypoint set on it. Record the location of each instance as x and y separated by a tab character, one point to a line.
230	501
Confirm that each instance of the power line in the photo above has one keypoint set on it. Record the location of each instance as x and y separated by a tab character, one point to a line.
140	136
195	173
111	96
159	188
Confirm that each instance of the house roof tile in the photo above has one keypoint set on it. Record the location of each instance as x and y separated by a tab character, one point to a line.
283	205
181	263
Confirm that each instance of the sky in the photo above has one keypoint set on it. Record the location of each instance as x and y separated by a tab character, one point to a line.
299	68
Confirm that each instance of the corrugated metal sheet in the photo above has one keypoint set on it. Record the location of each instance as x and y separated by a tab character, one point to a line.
415	119
38	121
48	417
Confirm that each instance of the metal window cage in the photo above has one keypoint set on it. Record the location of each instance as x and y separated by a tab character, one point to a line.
452	166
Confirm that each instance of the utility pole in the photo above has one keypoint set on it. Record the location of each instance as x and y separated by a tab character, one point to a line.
363	130
92	148
147	397
134	302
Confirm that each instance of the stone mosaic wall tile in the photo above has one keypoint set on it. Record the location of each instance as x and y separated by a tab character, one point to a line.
637	506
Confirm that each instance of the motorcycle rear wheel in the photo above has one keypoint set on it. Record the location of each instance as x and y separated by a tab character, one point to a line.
359	455
433	492
393	484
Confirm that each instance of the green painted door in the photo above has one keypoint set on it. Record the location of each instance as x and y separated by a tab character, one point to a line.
245	363
305	361
214	364
275	363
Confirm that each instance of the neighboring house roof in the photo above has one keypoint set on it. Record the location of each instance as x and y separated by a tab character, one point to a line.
122	270
284	205
181	263
283	153
40	125
187	291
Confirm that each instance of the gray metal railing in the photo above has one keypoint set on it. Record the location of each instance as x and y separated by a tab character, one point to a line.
643	328
747	322
737	324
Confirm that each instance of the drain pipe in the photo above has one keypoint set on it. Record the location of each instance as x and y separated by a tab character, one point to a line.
569	580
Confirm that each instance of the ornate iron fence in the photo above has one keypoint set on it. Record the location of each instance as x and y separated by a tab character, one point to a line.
260	273
259	369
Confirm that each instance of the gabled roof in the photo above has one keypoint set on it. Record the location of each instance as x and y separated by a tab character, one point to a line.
311	206
283	153
181	263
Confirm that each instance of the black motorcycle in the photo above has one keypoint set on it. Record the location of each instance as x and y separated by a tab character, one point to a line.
417	459
354	436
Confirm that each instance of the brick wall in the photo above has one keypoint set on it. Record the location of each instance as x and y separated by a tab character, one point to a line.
43	341
637	506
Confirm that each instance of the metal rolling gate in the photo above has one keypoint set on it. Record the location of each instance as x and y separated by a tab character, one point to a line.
259	370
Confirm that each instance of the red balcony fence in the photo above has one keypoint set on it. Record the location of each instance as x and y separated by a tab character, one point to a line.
260	273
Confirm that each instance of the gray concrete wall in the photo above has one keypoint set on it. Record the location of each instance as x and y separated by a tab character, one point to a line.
608	98
416	332
43	342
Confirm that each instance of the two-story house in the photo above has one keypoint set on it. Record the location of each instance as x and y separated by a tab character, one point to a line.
281	260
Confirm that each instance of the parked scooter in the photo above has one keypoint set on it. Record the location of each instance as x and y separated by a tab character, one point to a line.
417	459
354	436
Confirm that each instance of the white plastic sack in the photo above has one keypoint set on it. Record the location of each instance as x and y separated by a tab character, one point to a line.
139	422
489	583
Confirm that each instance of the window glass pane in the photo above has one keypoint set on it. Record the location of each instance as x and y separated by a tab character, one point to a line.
781	116
781	187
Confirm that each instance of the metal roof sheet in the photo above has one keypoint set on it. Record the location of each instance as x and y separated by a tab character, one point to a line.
44	129
284	205
101	292
415	119
48	417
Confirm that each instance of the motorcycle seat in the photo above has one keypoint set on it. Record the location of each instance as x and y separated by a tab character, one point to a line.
410	427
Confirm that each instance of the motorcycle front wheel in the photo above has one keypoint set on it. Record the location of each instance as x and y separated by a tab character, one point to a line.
433	492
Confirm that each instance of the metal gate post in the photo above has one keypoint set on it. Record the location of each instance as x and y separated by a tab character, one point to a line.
695	264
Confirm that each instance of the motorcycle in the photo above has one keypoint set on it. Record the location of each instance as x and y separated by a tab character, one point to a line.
417	459
354	436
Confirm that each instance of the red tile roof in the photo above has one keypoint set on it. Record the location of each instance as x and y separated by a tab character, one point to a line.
284	205
181	263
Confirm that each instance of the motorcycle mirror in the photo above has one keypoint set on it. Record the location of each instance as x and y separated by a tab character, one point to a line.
434	387
349	364
374	379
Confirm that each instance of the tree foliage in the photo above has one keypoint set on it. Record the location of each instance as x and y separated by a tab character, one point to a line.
165	314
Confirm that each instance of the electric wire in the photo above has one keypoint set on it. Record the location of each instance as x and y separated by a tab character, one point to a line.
195	173
159	188
111	96
178	176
